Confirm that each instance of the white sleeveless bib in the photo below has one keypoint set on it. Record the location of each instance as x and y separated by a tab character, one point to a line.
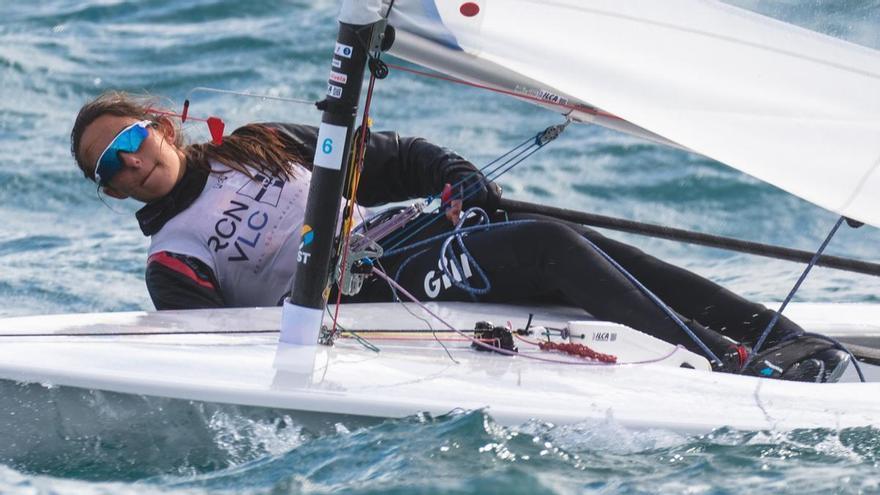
247	231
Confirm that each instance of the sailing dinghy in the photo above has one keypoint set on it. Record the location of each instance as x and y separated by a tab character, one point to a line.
786	105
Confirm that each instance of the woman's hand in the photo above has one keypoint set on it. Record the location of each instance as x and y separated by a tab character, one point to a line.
453	212
487	196
452	204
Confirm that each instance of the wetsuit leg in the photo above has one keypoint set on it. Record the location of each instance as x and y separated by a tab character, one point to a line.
541	260
690	294
550	260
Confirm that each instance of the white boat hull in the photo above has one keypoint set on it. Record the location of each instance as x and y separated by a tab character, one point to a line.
158	353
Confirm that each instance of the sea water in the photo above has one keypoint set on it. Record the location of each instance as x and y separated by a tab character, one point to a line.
64	248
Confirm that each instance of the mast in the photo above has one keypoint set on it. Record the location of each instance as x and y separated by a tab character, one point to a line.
360	26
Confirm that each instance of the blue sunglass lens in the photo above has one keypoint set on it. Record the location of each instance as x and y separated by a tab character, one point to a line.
127	141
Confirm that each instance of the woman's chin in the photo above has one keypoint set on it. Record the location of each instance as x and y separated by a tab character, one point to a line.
156	185
148	194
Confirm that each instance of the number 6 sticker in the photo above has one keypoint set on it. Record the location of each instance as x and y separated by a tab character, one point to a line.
331	142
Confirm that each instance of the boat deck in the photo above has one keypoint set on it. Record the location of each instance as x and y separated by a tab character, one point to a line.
232	356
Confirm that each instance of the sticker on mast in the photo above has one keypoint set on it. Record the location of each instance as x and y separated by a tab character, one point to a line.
331	143
338	77
307	237
343	50
334	91
336	63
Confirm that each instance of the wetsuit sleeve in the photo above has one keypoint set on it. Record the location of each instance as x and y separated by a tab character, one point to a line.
399	168
176	281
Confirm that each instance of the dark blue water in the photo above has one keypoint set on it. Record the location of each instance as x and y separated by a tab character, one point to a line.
63	249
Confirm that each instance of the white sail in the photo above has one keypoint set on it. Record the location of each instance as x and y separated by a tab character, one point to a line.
789	106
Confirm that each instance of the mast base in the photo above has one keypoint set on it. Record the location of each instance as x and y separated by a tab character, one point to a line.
300	325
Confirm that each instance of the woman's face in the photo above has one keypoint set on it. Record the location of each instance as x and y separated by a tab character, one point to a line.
146	174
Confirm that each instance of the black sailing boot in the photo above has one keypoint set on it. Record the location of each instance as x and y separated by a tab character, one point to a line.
804	359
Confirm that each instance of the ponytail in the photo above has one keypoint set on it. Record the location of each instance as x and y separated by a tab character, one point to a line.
254	146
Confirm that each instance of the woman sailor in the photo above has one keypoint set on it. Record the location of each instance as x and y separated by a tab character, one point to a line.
225	220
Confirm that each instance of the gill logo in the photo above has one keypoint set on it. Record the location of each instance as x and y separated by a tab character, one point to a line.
307	237
435	280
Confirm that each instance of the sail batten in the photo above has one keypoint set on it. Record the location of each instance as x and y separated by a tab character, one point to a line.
791	107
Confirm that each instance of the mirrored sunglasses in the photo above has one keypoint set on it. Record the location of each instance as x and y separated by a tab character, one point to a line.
128	140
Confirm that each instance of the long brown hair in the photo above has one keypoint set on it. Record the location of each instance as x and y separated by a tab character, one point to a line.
254	145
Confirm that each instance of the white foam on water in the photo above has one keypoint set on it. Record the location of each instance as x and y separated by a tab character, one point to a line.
14	482
244	438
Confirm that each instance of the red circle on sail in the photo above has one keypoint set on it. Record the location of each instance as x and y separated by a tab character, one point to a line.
469	9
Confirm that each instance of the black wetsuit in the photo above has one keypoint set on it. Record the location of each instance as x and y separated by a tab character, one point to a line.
543	260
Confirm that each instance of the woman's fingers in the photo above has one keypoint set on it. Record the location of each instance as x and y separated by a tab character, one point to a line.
453	213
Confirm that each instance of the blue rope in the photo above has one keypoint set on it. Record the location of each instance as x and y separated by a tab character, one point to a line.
534	144
537	144
474	228
690	333
791	293
457	233
402	266
459	237
424	223
477	187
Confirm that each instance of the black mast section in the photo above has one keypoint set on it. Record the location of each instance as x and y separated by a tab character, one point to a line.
304	308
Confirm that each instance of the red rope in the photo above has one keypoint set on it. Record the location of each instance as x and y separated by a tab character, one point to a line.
571	348
358	164
577	350
580	108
